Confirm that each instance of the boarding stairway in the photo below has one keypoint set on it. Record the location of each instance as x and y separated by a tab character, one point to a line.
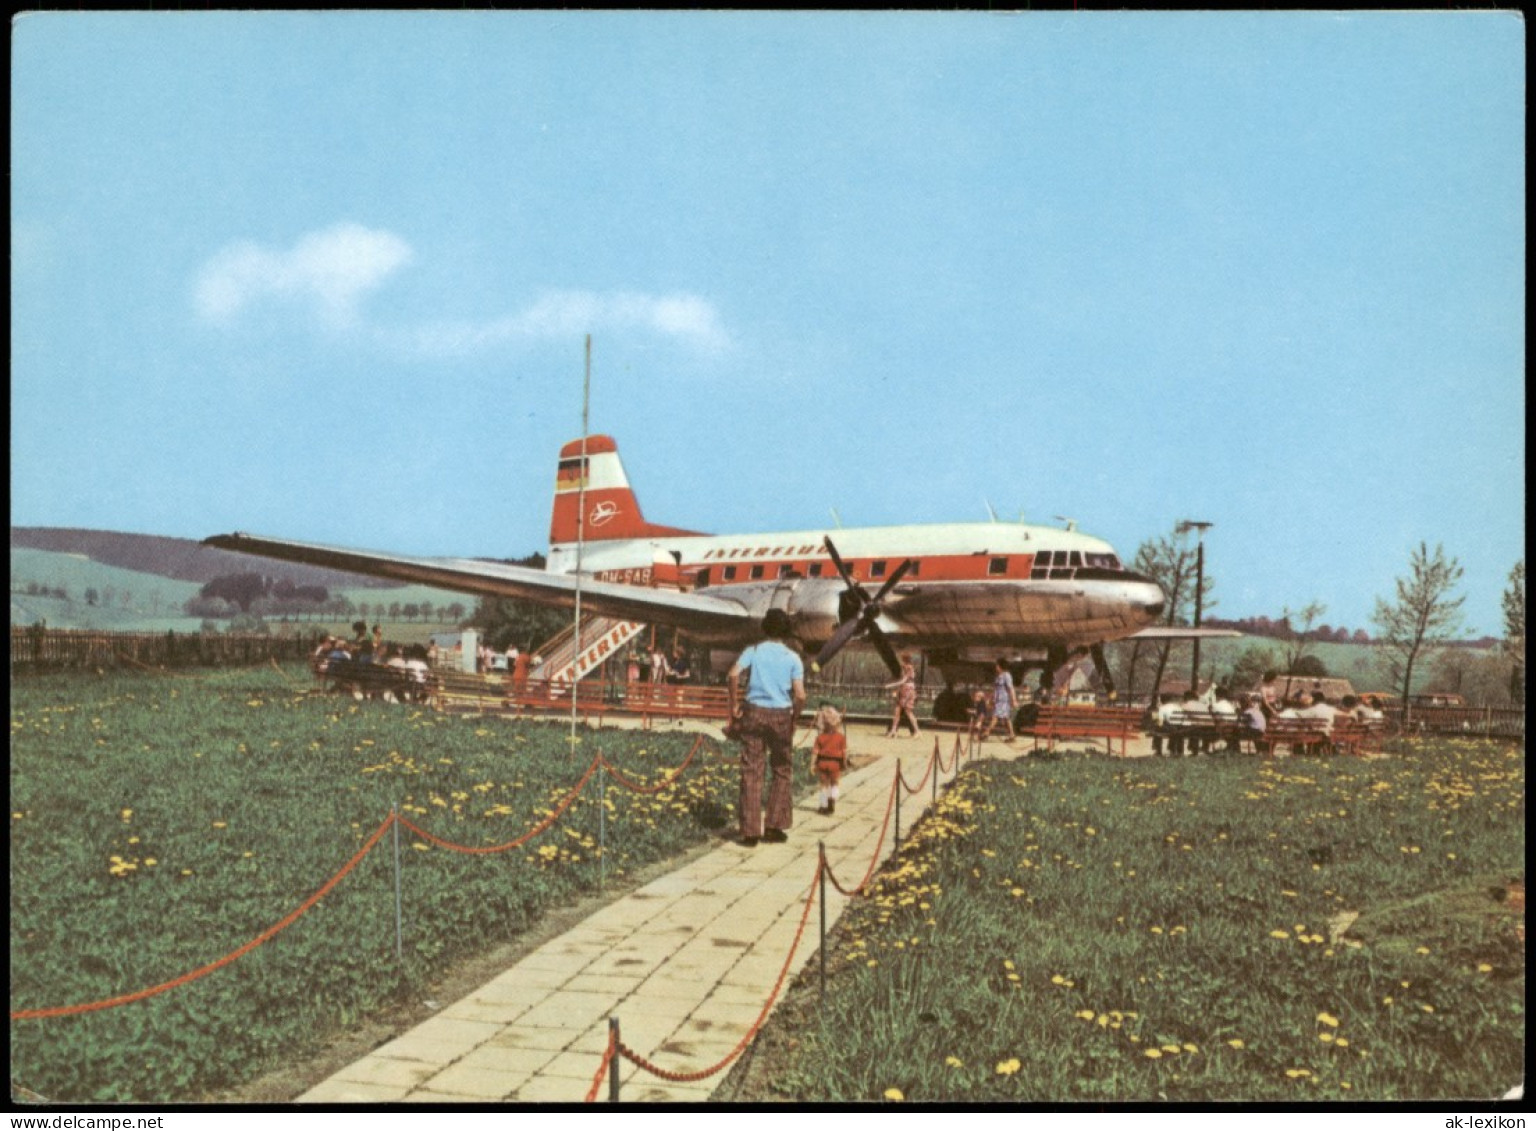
601	638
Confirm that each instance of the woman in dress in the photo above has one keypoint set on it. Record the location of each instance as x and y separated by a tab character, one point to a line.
904	692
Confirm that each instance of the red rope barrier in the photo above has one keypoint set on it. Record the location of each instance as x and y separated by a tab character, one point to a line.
269	933
911	789
875	859
597	1077
773	996
486	850
672	776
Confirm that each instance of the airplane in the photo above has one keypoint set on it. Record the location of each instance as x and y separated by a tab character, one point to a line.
961	593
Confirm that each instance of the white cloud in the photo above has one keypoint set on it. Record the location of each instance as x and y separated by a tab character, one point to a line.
563	314
332	268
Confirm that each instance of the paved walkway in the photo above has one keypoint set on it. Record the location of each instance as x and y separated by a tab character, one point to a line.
685	963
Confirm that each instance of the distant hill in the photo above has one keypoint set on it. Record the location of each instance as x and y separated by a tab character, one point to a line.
178	558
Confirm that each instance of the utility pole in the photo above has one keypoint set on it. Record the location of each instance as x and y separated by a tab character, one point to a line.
1200	528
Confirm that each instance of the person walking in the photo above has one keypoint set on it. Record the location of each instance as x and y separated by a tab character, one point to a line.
904	696
1004	700
828	757
763	716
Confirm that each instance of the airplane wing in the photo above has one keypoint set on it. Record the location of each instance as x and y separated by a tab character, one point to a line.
699	612
1173	632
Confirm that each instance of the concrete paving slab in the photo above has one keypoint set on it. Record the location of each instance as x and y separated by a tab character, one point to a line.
687	963
439	1040
474	1084
338	1091
386	1072
529	1037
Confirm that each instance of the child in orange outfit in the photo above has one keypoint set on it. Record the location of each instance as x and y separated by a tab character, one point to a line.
828	756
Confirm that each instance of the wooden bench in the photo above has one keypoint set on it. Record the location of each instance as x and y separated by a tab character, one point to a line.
1298	734
1198	726
1108	723
1358	737
370	679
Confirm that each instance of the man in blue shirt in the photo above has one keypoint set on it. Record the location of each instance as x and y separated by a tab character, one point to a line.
765	726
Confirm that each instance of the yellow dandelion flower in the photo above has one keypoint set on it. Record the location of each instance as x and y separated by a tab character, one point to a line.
1328	1019
1191	1047
1237	1043
1297	1073
954	1062
1085	1014
894	1095
1484	968
1008	1067
1152	1054
1279	934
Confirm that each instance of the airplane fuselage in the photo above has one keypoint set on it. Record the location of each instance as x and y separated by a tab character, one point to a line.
1002	585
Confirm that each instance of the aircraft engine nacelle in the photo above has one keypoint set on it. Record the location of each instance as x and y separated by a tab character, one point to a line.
814	605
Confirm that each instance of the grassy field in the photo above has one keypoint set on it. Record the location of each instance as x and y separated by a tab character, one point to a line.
1073	930
159	823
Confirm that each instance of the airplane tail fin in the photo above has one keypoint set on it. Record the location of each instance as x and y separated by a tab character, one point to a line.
590	473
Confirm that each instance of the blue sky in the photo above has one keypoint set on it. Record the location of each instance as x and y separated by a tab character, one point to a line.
327	276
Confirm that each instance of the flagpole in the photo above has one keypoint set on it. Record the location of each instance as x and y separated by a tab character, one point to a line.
581	522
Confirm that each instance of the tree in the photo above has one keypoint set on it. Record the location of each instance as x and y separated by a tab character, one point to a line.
1514	631
1249	668
242	589
1309	666
506	620
1170	561
1424	615
1299	639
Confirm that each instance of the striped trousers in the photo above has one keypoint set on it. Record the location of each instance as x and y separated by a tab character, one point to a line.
766	741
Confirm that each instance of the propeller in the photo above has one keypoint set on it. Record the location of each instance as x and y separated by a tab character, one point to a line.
858	612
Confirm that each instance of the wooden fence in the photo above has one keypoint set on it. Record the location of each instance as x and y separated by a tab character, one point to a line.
39	647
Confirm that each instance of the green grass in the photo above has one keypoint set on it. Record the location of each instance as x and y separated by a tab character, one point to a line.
158	823
1197	930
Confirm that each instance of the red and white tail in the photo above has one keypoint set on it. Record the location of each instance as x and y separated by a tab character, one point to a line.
590	473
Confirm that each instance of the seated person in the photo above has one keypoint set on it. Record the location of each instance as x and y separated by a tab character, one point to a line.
1251	721
1187	714
1161	718
1320	709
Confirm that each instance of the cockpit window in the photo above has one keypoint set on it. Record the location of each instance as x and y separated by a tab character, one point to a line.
1103	561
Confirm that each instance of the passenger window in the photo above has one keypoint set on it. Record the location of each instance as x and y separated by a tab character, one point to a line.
876	569
701	579
730	573
786	570
757	572
814	569
914	568
997	567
